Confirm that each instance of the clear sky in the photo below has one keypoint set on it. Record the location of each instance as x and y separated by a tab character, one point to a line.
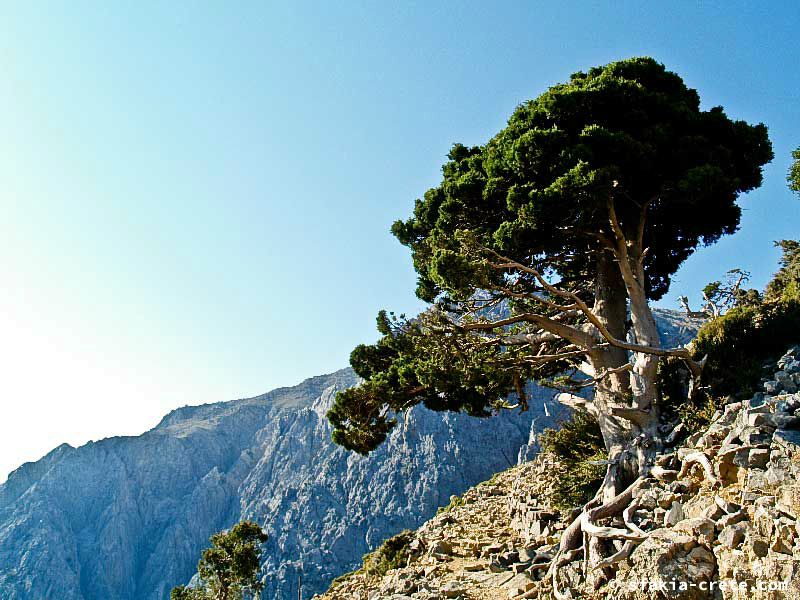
196	197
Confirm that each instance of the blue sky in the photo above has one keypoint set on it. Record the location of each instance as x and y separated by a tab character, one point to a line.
196	199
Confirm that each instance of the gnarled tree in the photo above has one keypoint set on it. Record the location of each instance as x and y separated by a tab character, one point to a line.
539	252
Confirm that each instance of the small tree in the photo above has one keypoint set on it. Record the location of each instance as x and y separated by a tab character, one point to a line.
794	172
785	284
571	219
721	296
228	569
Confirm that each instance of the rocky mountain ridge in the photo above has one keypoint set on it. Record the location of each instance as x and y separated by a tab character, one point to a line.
126	518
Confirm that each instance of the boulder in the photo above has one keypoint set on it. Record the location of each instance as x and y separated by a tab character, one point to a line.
732	535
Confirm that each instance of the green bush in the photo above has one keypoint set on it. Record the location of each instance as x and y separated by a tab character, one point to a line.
392	554
576	444
785	285
741	347
741	343
674	402
454	502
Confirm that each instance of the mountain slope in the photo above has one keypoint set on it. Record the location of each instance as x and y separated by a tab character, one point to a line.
728	532
127	517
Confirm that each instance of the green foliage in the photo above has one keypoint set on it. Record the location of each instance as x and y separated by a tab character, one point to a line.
785	285
630	134
392	554
697	415
576	444
740	342
630	130
794	172
738	346
455	501
724	295
412	364
229	568
184	593
675	403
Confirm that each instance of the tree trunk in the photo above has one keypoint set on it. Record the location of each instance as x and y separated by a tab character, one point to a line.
629	454
615	390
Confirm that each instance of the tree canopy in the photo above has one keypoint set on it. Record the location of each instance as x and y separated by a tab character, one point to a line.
535	245
229	568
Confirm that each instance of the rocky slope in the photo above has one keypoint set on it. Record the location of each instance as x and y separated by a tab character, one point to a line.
718	520
126	518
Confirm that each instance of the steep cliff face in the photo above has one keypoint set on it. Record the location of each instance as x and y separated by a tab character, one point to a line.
126	518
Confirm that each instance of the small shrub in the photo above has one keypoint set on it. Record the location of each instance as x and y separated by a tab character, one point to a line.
741	342
741	347
392	554
576	445
674	402
454	502
785	285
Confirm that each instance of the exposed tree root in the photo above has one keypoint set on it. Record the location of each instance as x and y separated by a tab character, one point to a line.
701	459
584	526
663	474
627	517
621	555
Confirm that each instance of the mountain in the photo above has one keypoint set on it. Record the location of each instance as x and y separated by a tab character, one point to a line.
127	517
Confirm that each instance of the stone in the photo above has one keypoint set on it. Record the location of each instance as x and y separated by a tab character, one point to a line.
681	486
452	589
666	499
788	439
785	421
758	419
666	556
508	558
783	538
732	536
758	458
759	546
772	387
731	519
693	439
520	567
441	547
648	499
774	476
754	436
520	584
527	554
674	514
726	505
496	567
700	528
741	457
